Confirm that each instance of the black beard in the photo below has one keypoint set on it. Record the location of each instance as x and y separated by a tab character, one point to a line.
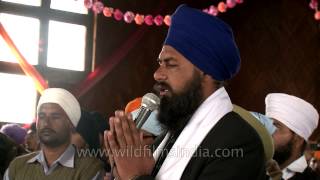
176	111
282	154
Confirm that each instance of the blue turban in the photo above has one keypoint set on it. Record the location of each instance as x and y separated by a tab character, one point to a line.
206	41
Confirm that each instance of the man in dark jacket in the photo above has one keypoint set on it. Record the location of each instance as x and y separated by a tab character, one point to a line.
205	139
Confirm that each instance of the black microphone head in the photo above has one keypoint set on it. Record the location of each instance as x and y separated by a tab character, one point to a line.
150	101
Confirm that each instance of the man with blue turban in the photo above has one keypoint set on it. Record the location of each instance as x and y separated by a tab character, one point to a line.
204	138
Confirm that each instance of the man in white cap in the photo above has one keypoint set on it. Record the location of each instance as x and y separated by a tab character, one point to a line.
58	114
295	120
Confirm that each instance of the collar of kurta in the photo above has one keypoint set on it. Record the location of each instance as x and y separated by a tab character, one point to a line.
297	166
66	159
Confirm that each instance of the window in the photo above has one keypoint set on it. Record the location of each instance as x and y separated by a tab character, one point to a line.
26	2
66	45
26	40
75	6
55	36
16	105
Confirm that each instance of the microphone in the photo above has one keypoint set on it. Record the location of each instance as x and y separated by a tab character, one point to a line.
150	102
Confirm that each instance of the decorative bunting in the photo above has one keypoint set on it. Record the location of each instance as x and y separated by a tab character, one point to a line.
98	7
158	20
314	5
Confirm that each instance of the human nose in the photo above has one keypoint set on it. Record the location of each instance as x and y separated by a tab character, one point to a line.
44	121
159	74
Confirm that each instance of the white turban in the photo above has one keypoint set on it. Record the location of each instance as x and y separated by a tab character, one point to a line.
298	115
65	100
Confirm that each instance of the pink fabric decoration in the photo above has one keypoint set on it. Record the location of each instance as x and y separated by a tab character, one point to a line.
317	15
313	4
213	10
231	3
158	20
148	20
128	17
117	14
139	19
167	20
205	11
97	7
222	7
107	12
87	4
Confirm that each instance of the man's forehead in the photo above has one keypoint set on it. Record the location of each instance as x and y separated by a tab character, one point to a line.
167	51
52	108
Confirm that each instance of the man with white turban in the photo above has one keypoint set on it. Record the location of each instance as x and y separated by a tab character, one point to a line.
58	114
295	120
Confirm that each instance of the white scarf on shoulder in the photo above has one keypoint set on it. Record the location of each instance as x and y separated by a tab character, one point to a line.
297	166
203	120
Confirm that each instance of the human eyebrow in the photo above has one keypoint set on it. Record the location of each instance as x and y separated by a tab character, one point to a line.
169	59
166	60
56	114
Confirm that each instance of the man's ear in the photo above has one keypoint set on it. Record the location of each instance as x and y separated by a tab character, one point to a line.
71	127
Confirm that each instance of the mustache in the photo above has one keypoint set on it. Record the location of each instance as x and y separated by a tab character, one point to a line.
46	130
160	86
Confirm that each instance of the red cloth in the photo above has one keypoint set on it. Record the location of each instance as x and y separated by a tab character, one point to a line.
133	105
317	155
